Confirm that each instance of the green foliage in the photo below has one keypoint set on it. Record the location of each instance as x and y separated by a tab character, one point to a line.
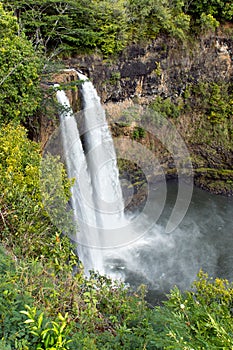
148	18
138	133
45	21
12	300
208	22
73	26
50	335
115	77
209	103
110	25
55	192
200	319
96	311
196	320
39	330
19	73
214	99
43	309
4	346
165	107
117	319
24	219
107	26
220	9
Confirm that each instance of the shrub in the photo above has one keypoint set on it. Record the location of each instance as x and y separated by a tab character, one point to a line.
199	319
165	107
24	222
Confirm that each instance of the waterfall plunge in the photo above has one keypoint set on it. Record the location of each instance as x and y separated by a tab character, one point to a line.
81	191
101	160
159	259
96	195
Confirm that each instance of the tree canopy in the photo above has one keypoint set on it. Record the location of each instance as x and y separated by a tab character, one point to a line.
107	26
19	73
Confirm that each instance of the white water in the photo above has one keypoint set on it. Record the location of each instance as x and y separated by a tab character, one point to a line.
158	259
114	229
82	201
96	195
101	160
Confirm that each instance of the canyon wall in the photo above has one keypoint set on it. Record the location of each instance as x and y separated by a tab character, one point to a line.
165	68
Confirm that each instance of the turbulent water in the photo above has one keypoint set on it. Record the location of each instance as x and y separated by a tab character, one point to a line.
96	196
82	194
101	160
137	248
203	240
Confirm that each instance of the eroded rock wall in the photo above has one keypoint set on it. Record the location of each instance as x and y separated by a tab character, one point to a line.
165	68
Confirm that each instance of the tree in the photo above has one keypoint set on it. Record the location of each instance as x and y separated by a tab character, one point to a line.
28	190
56	26
148	18
222	10
73	25
19	72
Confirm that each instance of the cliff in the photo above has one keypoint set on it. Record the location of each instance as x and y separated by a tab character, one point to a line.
177	73
163	67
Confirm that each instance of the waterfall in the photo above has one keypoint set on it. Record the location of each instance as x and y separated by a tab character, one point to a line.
136	249
81	191
133	248
101	159
96	195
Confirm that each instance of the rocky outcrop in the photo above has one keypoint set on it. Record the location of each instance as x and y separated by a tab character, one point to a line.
67	79
43	125
165	68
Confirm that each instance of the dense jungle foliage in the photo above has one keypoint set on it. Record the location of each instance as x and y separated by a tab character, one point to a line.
108	26
46	301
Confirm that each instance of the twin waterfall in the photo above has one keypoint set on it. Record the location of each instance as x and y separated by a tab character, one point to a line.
91	159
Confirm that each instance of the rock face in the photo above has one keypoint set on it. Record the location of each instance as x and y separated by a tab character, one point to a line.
165	68
42	128
66	78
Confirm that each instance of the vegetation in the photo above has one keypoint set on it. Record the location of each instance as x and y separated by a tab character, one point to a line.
71	25
42	308
166	107
107	26
19	74
46	301
221	10
213	99
25	200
